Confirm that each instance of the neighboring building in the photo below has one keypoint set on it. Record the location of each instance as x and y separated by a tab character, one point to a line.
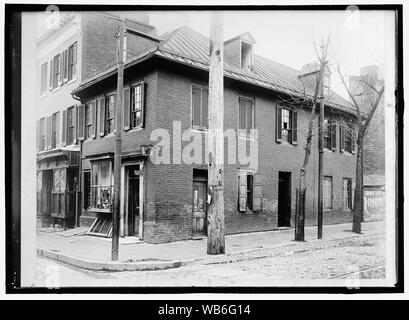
374	197
374	140
165	94
73	47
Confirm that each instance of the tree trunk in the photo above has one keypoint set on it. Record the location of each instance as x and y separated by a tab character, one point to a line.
358	210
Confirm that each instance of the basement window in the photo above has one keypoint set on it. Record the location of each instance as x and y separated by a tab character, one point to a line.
246	56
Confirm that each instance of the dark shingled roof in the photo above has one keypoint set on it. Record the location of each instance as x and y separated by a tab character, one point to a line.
187	46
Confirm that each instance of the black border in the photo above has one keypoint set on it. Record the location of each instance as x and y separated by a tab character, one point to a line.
13	155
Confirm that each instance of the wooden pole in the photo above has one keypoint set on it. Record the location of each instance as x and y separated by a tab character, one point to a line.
215	214
321	143
118	144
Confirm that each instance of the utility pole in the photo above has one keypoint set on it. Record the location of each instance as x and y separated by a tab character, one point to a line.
215	212
118	142
321	141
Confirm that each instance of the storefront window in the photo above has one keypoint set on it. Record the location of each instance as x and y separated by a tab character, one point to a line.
59	179
102	190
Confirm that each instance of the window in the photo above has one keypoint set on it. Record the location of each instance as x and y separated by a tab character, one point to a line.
347	193
250	191
70	126
246	54
110	114
54	130
200	109
136	106
44	78
286	125
327	193
56	81
330	129
246	116
59	180
42	134
346	139
88	119
102	189
72	61
87	189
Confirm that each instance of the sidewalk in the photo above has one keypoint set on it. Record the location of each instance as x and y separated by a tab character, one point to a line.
91	252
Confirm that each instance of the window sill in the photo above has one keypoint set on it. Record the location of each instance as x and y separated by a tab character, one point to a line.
99	210
71	81
135	129
55	89
43	95
250	138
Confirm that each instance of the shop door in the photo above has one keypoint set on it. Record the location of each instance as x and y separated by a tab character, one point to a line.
133	201
199	208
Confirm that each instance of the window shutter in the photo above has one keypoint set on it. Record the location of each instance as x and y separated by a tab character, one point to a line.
352	144
81	121
143	88
353	195
257	191
341	138
49	132
65	65
64	128
243	191
38	136
94	118
127	111
205	108
101	117
278	124
333	128
75	122
294	127
51	73
60	68
57	129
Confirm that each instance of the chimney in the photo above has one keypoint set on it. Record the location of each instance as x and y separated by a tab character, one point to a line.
309	75
239	51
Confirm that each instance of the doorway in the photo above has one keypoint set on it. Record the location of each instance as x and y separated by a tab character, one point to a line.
284	199
133	192
199	205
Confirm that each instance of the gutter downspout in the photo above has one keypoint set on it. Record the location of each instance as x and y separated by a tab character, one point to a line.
78	192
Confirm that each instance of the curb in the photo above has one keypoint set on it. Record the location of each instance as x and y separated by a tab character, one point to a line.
108	266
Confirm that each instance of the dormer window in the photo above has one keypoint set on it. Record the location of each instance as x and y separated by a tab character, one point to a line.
246	54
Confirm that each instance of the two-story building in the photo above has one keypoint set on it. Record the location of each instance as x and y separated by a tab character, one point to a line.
165	120
73	46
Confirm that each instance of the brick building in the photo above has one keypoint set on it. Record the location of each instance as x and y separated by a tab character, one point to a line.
69	48
165	100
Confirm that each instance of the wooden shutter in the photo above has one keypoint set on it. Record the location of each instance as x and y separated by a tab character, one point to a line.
94	118
341	138
60	68
64	128
242	191
143	88
51	73
101	117
81	122
75	122
57	129
278	124
294	127
49	132
333	128
127	109
65	65
352	144
257	191
38	136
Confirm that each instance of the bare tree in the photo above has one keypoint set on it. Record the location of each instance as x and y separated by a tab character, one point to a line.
358	130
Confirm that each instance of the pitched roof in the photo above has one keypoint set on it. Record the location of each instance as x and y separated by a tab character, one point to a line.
187	46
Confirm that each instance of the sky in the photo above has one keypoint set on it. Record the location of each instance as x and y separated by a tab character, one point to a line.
357	37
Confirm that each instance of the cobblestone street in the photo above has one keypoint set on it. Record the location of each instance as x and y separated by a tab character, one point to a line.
329	260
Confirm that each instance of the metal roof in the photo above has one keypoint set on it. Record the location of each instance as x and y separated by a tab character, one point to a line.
187	46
